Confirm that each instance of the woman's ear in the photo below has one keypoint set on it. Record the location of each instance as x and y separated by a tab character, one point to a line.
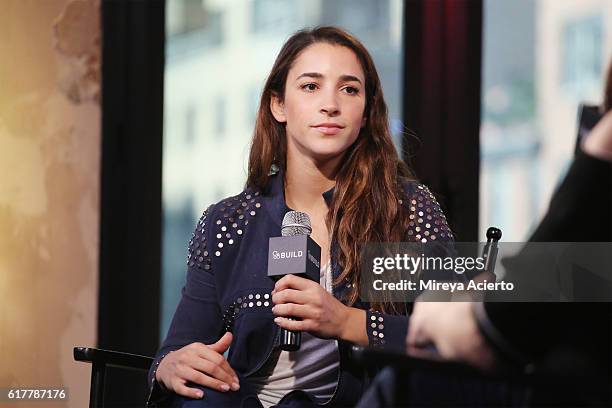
363	121
278	109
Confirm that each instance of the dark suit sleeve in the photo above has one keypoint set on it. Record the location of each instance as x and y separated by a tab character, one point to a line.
427	225
580	211
197	317
581	208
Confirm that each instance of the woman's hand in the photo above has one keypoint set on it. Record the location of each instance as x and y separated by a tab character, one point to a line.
321	314
598	142
451	327
200	364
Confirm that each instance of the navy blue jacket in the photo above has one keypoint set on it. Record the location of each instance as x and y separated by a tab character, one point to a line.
227	287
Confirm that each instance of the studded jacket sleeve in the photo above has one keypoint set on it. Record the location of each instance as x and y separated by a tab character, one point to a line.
197	317
427	223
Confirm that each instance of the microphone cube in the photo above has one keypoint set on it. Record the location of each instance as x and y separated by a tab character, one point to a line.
296	255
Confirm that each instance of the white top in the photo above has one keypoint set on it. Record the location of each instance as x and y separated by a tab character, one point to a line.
313	368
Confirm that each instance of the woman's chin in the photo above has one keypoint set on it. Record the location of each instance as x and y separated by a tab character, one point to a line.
326	155
328	150
320	151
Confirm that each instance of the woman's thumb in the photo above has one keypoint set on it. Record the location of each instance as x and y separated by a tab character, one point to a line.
223	343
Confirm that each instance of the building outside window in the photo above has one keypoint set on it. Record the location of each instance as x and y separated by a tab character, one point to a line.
541	58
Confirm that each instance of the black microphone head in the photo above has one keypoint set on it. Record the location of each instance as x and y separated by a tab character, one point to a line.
494	234
296	223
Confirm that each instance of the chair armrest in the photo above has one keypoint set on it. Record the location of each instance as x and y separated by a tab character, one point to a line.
111	358
542	376
368	357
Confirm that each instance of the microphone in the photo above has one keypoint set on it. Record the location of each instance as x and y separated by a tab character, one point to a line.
489	252
294	253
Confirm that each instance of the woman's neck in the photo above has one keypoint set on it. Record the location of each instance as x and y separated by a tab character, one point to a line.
306	181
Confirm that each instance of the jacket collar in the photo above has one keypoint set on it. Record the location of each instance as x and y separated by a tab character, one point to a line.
275	196
274	201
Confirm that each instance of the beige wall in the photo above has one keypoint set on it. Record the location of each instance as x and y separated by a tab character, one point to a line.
49	191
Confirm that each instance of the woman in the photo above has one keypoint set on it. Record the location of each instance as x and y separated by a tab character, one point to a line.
322	146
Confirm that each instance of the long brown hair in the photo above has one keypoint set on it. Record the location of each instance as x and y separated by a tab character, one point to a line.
366	205
607	103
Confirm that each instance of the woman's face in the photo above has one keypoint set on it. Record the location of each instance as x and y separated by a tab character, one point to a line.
324	102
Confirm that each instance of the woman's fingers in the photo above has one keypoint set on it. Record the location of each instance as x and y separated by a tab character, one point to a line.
217	372
208	353
295	325
221	345
415	338
294	310
290	296
197	377
423	353
215	365
199	364
321	314
181	389
293	282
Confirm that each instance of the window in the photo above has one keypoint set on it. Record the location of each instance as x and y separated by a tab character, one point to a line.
178	222
540	59
361	15
190	125
274	16
220	118
253	96
582	56
190	27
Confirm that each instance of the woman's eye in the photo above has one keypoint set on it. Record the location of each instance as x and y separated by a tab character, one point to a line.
351	90
309	87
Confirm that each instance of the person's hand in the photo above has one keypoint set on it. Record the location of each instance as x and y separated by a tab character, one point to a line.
322	314
598	143
200	364
451	327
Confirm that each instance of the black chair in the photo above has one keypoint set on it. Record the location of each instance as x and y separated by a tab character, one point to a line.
561	379
100	360
368	357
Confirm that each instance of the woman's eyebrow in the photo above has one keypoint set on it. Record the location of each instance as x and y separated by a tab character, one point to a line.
343	78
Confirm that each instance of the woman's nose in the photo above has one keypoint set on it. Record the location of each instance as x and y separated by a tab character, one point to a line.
330	106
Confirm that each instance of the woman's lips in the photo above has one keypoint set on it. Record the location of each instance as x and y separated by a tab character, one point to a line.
328	130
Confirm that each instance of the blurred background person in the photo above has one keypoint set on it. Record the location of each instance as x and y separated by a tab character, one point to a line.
567	338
